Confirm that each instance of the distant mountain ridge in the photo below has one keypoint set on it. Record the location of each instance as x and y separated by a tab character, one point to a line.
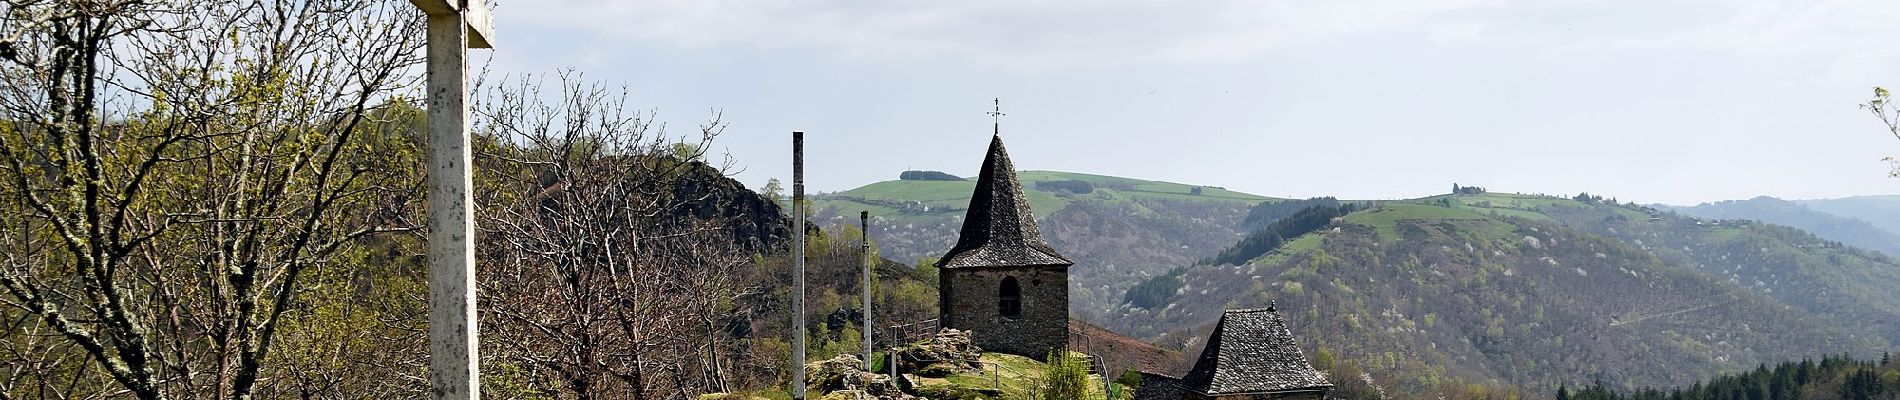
1840	227
1882	211
1535	291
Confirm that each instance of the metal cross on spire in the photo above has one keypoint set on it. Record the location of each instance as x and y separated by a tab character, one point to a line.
996	116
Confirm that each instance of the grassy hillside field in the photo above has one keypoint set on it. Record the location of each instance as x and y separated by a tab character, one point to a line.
1118	230
1444	293
904	199
1535	291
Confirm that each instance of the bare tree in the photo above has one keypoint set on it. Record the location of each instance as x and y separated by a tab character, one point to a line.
1883	108
601	274
174	172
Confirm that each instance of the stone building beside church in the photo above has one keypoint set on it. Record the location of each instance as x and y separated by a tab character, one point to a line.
1250	356
1002	281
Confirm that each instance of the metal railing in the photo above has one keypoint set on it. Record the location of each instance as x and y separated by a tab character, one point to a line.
903	334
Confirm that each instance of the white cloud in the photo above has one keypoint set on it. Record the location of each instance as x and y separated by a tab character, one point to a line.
1048	34
1014	34
1067	33
1847	33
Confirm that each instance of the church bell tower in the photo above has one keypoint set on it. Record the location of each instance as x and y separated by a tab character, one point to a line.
1002	281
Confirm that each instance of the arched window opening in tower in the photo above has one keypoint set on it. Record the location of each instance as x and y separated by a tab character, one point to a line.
1010	301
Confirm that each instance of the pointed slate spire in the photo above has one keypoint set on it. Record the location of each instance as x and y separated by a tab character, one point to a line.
999	229
1252	351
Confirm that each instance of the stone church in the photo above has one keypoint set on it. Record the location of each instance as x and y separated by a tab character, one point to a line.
1002	281
1006	285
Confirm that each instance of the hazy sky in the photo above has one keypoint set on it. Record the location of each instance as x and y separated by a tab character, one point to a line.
1652	101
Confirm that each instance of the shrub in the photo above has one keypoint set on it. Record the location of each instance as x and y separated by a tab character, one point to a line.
1068	377
927	176
1130	378
1072	186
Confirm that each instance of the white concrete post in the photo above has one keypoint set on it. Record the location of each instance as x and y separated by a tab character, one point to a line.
454	361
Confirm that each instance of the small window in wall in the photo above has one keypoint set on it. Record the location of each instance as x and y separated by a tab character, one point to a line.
1010	299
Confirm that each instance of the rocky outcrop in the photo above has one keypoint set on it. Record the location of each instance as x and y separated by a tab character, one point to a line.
842	377
949	352
756	222
729	396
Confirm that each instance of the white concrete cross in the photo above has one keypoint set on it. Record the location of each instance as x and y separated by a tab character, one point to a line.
454	361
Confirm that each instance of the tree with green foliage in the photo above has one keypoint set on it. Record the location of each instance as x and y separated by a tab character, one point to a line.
1067	377
689	152
174	175
1075	186
1269	211
1130	379
773	190
927	176
1279	231
927	266
1157	291
1835	377
1324	359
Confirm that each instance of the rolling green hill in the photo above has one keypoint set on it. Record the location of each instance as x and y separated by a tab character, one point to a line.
1534	291
1119	231
1434	294
905	199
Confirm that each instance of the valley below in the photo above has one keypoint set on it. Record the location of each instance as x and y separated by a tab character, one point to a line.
1418	295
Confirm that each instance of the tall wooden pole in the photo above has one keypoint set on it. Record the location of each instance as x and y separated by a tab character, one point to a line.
454	361
798	265
864	253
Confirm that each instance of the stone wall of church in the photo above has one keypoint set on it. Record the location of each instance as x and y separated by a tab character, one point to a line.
971	300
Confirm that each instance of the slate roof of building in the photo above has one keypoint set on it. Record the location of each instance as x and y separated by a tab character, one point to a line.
1157	386
1251	351
999	230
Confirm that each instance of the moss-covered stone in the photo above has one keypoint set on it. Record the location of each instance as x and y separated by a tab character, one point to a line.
949	352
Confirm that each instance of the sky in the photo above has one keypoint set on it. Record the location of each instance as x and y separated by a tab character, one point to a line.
1654	101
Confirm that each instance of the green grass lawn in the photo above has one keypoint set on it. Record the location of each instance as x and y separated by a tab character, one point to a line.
1385	219
1302	244
1513	200
1527	206
1140	187
1014	375
1512	212
1724	233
